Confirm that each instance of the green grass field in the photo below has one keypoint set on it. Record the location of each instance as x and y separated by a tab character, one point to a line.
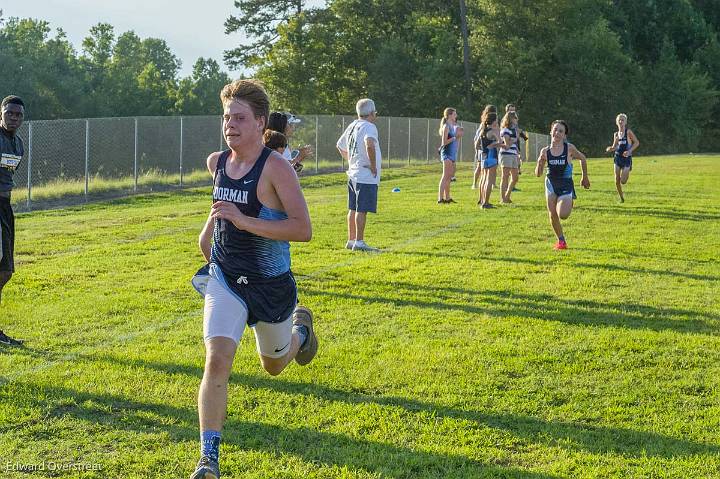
467	349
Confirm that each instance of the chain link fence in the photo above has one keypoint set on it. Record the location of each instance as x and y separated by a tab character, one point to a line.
70	161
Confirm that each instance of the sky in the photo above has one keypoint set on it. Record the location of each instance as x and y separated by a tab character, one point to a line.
191	32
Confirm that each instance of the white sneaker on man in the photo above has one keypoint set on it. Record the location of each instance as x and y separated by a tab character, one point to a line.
350	244
361	245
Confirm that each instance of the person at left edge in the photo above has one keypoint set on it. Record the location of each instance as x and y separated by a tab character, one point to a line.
11	153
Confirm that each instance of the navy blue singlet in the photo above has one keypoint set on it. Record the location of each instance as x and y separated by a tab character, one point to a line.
622	146
559	173
489	155
254	268
239	252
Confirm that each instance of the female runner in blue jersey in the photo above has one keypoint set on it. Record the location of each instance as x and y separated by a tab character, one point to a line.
478	149
487	144
624	143
559	186
450	134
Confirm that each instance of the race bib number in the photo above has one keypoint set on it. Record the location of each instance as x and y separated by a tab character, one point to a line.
10	162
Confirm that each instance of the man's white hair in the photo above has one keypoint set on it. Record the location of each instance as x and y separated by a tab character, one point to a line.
365	107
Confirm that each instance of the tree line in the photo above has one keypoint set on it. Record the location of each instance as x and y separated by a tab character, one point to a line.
584	61
114	75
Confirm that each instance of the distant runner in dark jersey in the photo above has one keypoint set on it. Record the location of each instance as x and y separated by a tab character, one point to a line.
559	186
624	143
257	209
11	153
478	151
488	143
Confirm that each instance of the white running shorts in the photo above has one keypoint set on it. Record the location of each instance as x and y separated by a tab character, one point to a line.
226	316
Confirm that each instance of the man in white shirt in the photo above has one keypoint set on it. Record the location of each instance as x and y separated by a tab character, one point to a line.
359	145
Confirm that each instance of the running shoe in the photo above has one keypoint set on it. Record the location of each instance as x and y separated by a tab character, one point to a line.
488	206
8	341
206	469
560	245
450	200
363	246
349	245
303	316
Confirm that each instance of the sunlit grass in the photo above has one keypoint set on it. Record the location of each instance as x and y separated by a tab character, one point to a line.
468	348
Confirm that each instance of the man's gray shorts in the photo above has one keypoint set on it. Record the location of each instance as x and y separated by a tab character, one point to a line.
362	197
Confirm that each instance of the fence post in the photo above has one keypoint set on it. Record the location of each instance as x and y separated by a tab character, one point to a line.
317	152
87	156
181	152
427	139
30	155
342	158
135	161
388	148
460	153
222	134
409	131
